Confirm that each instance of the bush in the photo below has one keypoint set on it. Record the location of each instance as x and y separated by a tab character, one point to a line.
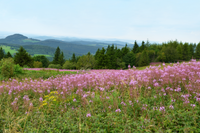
69	65
37	64
57	66
18	69
7	67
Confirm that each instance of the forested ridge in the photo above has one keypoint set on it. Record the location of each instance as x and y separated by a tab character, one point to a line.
116	58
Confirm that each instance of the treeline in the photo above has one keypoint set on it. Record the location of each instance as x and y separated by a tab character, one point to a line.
113	57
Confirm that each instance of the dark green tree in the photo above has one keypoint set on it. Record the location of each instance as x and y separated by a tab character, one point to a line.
191	49
135	48
142	47
1	53
186	52
61	59
125	50
129	59
43	59
23	58
8	55
111	57
96	56
171	54
73	59
102	59
144	59
198	51
56	56
179	52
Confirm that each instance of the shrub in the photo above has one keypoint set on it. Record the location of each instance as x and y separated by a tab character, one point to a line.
37	64
69	65
7	67
57	66
18	69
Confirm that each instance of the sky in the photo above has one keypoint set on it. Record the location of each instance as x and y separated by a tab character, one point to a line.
155	20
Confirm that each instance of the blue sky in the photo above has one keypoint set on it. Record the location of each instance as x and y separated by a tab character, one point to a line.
155	20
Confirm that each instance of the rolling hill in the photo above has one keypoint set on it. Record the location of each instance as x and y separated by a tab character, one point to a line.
48	46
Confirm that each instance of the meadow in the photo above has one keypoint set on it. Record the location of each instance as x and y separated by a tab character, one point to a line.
156	99
9	49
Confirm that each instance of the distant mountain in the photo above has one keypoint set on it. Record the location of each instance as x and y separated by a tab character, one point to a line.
18	39
68	45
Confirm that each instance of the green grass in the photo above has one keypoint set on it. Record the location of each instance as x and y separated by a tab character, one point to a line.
61	116
44	55
8	48
44	74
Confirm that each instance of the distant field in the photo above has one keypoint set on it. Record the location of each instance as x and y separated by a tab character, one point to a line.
8	48
43	54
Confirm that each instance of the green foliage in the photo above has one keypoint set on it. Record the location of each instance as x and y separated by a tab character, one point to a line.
61	59
74	59
125	50
186	52
18	69
170	54
57	66
162	57
129	59
1	53
43	59
120	64
86	62
144	59
111	57
198	51
7	67
180	52
142	47
8	55
69	65
135	48
101	59
56	56
23	58
37	64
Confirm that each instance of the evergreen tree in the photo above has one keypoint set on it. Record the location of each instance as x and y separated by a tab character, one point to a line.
129	59
171	54
101	62
96	56
180	52
61	59
88	53
135	48
191	49
186	52
124	50
8	55
144	59
23	58
73	59
198	51
142	47
1	53
56	56
111	58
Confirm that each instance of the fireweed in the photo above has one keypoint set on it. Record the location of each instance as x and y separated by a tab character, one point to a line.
150	100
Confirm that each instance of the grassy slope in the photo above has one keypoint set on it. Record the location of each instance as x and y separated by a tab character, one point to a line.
8	48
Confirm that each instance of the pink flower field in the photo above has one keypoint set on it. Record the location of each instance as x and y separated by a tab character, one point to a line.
154	94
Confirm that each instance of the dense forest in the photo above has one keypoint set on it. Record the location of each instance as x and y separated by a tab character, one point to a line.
116	58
